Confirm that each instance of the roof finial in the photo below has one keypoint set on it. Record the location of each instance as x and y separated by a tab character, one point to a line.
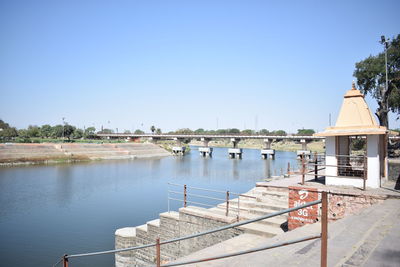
353	85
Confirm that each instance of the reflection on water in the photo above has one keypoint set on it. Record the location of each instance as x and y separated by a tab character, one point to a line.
46	211
205	166
267	168
235	170
64	186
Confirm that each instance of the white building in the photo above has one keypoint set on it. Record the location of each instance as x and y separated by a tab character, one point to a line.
355	121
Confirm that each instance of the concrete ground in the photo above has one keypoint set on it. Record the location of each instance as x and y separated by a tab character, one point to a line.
371	238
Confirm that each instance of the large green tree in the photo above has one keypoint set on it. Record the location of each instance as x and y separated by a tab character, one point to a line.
371	79
305	132
33	131
89	132
45	131
6	132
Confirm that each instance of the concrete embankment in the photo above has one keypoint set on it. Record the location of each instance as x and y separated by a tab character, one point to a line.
191	219
14	154
267	198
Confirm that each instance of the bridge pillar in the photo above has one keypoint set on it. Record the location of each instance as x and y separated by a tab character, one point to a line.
304	151
235	142
235	152
179	149
205	141
267	151
205	151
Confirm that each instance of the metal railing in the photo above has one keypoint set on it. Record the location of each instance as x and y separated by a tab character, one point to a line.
323	236
226	200
348	166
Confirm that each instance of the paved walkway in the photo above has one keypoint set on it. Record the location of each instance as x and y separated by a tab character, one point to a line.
371	238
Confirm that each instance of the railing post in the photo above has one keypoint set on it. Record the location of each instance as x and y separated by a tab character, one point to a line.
316	166
288	168
227	203
303	169
65	261
184	196
158	252
238	213
324	230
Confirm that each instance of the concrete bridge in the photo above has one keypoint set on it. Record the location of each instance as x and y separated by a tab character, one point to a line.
233	152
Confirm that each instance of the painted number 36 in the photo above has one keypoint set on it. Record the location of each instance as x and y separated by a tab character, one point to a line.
302	212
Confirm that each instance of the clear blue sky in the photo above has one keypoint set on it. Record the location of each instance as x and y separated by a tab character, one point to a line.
175	64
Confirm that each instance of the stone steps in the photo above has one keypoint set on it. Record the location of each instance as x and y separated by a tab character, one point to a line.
169	229
261	229
192	219
276	221
255	211
268	204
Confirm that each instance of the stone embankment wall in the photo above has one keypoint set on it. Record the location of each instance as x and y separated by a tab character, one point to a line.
267	199
190	220
47	152
340	205
170	225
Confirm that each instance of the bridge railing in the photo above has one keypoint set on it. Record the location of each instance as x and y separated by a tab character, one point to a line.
196	135
323	235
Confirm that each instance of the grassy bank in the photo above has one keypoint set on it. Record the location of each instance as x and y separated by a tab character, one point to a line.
168	144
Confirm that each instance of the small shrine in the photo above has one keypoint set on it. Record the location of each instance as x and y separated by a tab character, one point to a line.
355	124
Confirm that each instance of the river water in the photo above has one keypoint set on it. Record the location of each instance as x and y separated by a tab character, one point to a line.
47	211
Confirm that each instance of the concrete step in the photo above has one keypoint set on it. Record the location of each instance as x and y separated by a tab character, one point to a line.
153	230
174	215
208	213
243	216
141	239
269	204
272	195
141	229
266	196
256	211
169	225
169	229
261	229
270	191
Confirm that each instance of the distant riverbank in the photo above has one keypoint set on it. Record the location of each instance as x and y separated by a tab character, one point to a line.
47	153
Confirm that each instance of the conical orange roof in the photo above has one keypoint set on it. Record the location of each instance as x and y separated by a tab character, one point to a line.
355	117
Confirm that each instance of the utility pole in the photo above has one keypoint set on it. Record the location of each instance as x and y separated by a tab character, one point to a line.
385	42
63	128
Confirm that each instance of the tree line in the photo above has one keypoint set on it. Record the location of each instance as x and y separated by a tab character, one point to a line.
235	131
46	131
70	132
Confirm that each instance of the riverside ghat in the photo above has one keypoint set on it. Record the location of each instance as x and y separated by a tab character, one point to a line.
346	182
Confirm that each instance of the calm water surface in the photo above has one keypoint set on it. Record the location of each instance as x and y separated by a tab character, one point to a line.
46	211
